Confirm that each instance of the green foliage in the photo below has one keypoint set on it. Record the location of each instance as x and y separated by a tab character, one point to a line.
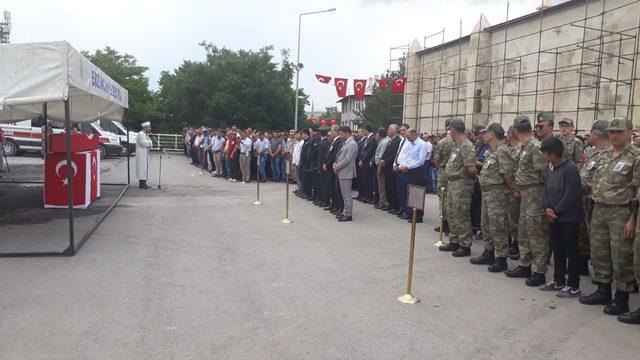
245	88
124	69
331	112
383	108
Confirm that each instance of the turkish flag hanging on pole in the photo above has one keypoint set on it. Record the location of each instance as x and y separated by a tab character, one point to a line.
397	85
382	83
359	87
323	79
341	86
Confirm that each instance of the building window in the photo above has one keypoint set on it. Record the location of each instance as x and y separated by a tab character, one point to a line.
359	105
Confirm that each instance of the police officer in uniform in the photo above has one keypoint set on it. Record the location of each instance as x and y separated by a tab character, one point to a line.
461	175
496	179
441	154
615	181
323	149
313	185
532	225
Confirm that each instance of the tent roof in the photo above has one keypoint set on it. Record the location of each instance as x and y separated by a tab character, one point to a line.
37	73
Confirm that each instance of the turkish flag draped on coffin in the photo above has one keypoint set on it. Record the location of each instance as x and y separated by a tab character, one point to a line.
359	87
397	85
382	83
323	79
341	86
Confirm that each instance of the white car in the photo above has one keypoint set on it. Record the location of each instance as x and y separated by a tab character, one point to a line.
120	130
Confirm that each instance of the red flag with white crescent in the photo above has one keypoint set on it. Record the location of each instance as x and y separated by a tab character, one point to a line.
323	79
341	86
382	83
333	121
323	122
397	85
359	86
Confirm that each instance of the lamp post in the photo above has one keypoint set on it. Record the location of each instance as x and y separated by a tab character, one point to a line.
298	65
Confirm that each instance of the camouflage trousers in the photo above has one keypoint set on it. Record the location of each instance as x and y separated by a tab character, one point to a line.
495	221
514	217
611	251
533	237
583	234
636	261
458	208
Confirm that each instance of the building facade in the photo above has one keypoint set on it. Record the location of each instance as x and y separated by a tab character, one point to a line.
350	108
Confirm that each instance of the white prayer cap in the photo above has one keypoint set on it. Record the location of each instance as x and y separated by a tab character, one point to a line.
145	124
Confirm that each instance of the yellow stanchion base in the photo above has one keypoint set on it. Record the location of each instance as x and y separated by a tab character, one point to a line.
257	202
438	243
408	299
286	221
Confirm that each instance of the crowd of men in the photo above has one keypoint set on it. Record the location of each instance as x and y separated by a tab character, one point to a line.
527	193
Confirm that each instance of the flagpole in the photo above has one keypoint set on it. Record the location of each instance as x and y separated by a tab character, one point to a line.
298	65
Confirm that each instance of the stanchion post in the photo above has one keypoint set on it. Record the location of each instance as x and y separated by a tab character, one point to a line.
258	202
286	196
408	298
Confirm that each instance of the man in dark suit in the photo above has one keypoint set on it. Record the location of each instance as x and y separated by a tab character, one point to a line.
333	185
366	163
312	186
386	164
323	150
304	165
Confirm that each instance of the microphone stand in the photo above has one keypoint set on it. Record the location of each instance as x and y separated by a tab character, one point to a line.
162	150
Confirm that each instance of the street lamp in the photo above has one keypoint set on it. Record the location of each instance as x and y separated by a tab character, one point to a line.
299	65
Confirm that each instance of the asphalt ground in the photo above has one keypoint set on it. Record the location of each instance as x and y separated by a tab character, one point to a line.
195	271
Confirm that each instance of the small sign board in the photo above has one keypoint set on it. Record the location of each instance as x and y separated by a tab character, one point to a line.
415	196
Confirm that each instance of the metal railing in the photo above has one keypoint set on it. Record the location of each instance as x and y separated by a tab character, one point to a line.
170	142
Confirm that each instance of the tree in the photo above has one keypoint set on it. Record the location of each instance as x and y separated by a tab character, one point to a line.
331	112
383	108
124	69
243	87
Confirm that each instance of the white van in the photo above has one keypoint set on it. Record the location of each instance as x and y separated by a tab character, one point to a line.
120	130
26	135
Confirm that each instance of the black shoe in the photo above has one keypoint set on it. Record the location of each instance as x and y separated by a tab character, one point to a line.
536	279
345	218
630	317
449	247
486	258
317	203
620	304
371	201
377	206
462	252
328	207
519	272
324	204
404	216
394	212
335	211
384	208
602	296
499	265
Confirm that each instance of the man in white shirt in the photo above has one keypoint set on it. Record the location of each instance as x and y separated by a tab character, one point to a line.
260	147
401	181
412	164
297	150
217	145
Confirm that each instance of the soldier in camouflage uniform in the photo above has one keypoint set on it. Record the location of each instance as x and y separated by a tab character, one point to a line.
599	139
495	181
615	180
461	175
573	147
544	125
532	232
440	156
514	202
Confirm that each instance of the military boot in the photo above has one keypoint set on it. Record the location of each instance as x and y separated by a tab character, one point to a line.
462	251
630	318
620	304
514	251
602	296
519	272
499	265
449	247
536	279
486	258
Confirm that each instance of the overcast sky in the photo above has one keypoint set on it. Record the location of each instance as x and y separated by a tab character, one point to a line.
352	42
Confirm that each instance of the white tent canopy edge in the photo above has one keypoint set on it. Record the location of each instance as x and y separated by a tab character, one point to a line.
33	74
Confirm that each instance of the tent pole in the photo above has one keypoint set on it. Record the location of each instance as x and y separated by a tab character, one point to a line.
44	139
71	250
126	128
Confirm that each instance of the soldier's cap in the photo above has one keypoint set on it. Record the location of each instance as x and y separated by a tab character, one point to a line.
544	116
600	125
477	128
495	128
620	124
521	119
324	128
447	123
565	121
457	124
314	127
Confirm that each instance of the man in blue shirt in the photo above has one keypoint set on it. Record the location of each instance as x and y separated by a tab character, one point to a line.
412	164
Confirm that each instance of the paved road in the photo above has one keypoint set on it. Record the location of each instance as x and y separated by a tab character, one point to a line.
197	272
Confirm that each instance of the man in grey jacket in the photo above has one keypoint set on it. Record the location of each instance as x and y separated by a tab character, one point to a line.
345	168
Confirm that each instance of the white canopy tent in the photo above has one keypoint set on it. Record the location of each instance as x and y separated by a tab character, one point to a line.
54	81
37	73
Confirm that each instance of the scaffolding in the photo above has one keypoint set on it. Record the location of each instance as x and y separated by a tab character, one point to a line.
577	59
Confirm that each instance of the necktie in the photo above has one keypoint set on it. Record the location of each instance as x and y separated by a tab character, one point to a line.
398	153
